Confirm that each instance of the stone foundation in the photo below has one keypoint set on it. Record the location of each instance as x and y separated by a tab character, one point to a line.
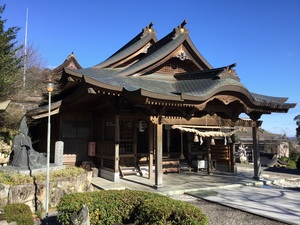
34	195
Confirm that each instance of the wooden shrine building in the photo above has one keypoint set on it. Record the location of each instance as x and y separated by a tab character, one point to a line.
154	103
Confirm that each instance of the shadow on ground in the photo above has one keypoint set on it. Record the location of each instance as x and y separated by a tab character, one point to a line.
283	170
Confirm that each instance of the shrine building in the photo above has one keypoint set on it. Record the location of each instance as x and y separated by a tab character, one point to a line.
155	104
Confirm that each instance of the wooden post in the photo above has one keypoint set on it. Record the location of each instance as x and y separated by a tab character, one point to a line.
190	144
181	145
134	131
158	156
102	141
117	143
168	141
256	155
232	155
209	163
151	149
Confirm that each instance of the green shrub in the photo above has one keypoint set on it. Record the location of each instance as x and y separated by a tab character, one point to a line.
19	213
291	163
127	206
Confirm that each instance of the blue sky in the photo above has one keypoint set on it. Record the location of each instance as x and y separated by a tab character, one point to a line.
262	37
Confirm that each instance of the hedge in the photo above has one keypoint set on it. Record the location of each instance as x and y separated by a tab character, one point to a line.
18	212
128	206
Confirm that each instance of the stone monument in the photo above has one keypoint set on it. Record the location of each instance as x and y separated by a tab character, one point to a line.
24	154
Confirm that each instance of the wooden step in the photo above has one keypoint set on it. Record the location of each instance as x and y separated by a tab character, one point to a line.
130	170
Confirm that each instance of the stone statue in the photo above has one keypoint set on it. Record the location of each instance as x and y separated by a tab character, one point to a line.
24	154
243	154
81	217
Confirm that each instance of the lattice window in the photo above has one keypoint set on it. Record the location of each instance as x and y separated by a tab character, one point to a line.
76	130
109	130
126	137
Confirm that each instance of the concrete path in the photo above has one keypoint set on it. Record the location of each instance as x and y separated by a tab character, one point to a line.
179	183
267	201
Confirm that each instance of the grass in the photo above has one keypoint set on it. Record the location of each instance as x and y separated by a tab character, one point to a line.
17	179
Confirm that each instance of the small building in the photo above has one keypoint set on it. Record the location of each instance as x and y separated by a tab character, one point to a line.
269	144
153	103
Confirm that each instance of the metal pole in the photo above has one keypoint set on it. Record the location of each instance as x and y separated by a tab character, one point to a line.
25	51
48	158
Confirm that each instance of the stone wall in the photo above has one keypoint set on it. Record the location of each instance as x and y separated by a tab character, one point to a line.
34	194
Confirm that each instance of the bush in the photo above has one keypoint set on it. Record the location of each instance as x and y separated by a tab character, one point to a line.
19	213
291	163
128	206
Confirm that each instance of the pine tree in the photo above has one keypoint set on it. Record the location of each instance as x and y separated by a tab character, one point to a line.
10	63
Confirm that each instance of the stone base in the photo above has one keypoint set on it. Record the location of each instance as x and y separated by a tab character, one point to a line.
31	170
110	175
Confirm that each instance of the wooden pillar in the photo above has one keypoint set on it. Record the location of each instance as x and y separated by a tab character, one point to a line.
134	131
256	155
232	154
102	141
168	141
151	148
117	143
209	162
181	146
158	156
190	144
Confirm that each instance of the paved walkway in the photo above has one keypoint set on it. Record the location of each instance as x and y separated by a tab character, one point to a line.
238	191
271	202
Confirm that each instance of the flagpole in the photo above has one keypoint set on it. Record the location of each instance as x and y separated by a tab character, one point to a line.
25	50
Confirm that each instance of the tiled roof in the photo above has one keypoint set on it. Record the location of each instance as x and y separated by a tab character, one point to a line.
148	35
196	86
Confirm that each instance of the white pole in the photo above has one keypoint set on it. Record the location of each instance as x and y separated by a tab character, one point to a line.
48	159
25	50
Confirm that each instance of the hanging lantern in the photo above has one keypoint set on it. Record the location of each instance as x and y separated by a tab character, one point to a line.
201	140
225	141
212	142
196	139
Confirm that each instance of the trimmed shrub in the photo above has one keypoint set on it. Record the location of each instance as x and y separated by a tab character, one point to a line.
128	206
19	213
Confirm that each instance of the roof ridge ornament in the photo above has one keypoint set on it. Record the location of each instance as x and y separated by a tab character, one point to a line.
229	72
180	29
71	55
148	29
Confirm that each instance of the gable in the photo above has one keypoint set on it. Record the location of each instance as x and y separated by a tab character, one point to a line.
176	44
180	61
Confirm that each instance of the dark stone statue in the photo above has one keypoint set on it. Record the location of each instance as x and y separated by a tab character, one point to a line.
24	154
81	217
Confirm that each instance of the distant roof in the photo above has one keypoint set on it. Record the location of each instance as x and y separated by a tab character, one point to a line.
245	134
70	62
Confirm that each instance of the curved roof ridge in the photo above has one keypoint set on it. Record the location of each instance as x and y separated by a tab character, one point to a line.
261	97
145	36
152	57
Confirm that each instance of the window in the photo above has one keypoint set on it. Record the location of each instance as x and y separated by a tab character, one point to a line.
79	130
126	137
